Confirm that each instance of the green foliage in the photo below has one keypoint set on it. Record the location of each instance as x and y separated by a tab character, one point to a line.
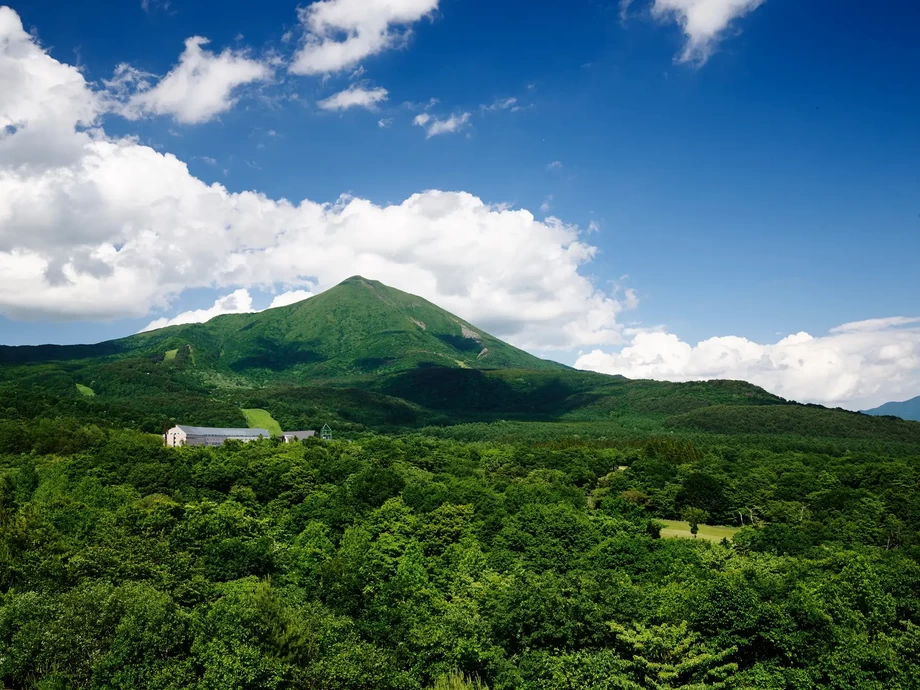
86	390
413	562
694	517
671	656
486	521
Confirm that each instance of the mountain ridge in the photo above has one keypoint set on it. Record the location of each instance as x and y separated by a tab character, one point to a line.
907	409
363	355
359	326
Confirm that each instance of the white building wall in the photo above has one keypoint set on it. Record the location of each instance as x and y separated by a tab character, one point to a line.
175	437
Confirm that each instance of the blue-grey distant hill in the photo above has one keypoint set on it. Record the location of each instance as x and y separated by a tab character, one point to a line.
909	409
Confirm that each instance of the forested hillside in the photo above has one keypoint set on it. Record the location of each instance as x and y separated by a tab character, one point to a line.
404	562
481	520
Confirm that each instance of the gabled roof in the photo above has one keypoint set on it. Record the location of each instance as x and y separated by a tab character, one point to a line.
218	431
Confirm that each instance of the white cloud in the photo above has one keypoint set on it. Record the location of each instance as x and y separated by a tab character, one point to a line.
435	126
555	165
354	97
42	102
286	298
101	227
196	90
703	22
547	203
385	122
858	365
369	27
237	302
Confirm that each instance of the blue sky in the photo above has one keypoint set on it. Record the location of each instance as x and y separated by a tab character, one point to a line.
769	190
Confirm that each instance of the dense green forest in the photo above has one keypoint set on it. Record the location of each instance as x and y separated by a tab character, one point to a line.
415	562
483	518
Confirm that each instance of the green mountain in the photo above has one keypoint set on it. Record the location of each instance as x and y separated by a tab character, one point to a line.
357	328
909	409
366	356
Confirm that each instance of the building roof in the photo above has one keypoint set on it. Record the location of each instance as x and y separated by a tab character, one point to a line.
298	434
218	431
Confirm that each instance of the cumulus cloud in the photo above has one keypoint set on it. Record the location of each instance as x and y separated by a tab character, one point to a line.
291	297
45	105
857	365
237	302
703	22
340	33
434	126
354	97
196	90
101	227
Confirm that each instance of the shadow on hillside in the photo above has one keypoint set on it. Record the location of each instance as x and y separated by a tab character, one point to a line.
270	354
471	394
26	354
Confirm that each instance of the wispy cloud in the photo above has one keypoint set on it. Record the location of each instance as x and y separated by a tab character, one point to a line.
555	165
501	104
150	5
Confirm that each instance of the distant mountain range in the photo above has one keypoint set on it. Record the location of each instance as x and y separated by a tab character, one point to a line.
909	409
363	355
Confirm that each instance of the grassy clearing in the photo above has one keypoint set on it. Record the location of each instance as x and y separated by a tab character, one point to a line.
261	419
678	529
170	355
86	390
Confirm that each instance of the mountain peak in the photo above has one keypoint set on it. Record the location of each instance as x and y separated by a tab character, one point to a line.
356	279
359	327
